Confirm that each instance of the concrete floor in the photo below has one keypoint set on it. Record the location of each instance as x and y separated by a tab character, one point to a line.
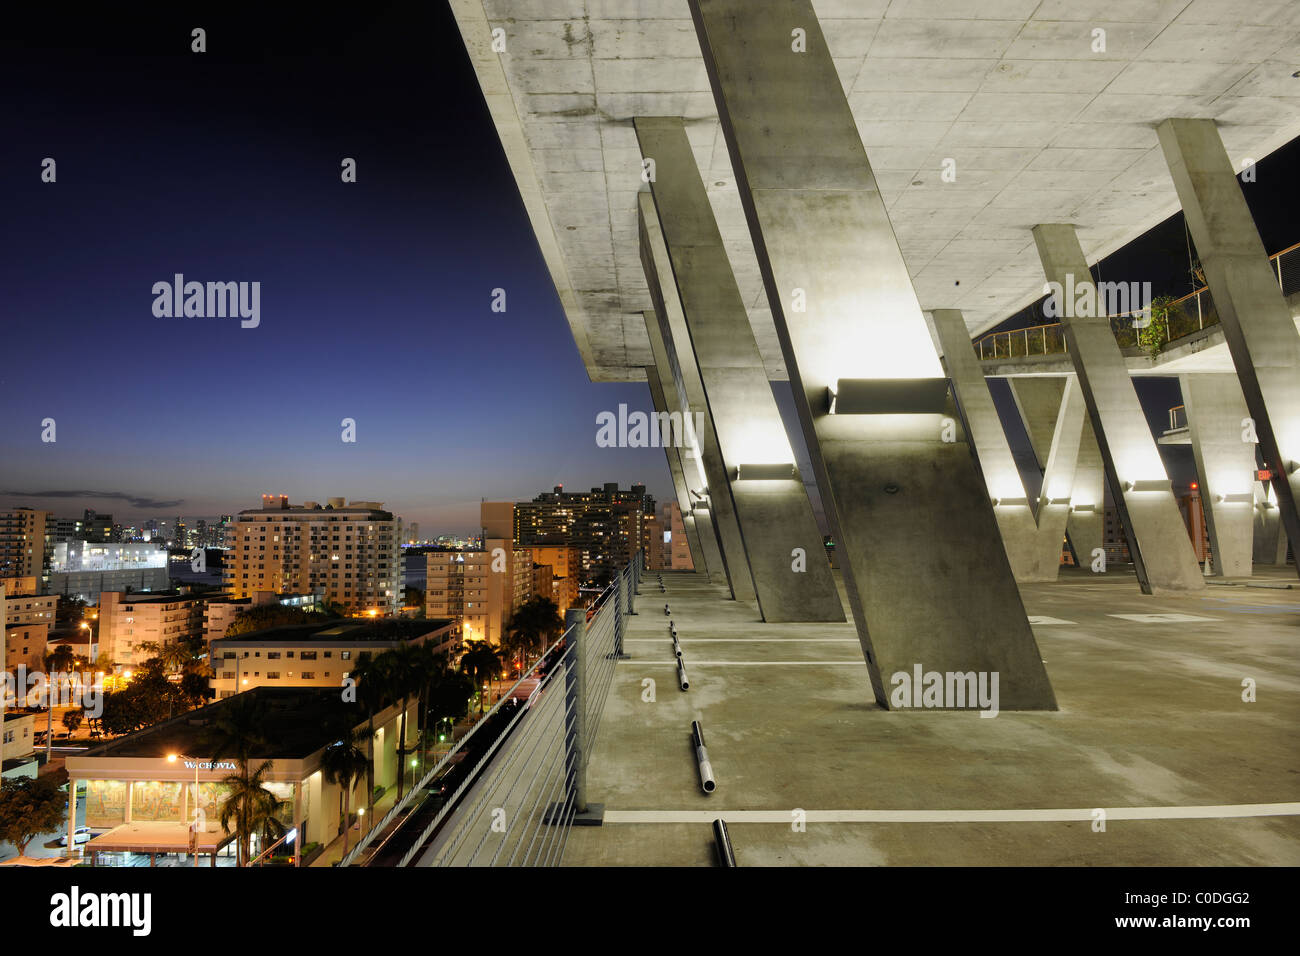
1151	716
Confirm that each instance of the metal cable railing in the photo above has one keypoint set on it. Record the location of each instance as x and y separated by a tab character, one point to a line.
515	806
1190	314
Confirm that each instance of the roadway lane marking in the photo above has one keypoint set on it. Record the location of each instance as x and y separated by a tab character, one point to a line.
750	640
694	663
1228	811
1164	618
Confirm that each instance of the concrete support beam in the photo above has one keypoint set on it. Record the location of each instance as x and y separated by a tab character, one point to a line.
910	515
1224	449
1032	535
1039	402
1257	323
706	317
1270	544
674	455
1158	541
692	466
692	401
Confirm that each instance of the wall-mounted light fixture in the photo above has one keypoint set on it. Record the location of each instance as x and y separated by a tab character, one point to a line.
1009	502
888	396
1244	498
1082	508
1149	484
762	472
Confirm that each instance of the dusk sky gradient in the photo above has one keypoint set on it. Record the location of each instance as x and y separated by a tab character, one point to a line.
376	296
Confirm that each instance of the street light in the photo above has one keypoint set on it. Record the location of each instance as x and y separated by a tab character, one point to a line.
172	758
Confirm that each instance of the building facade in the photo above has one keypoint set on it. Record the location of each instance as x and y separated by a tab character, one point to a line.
128	620
352	553
606	524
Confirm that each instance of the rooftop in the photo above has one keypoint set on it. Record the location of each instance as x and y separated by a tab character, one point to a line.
349	630
298	722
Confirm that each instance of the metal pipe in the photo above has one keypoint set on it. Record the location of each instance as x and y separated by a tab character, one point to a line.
702	758
722	841
677	648
666	611
681	673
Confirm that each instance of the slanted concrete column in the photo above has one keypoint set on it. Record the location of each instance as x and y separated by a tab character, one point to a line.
1270	546
703	314
673	453
694	472
1257	323
1158	540
910	515
694	405
1224	447
1031	532
1039	402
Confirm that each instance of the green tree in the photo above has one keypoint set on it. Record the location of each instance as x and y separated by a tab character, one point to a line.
236	731
536	624
28	808
252	807
479	663
261	616
342	763
72	719
371	676
1153	337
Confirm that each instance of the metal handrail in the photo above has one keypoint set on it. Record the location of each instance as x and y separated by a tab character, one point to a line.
993	338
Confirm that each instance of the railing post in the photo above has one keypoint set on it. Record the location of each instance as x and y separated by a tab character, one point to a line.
619	623
575	627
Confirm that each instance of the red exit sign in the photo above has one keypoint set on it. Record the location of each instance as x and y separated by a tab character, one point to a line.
1263	474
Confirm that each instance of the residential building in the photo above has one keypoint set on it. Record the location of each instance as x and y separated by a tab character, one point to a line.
565	561
679	546
351	552
128	620
314	655
25	540
26	644
18	744
607	524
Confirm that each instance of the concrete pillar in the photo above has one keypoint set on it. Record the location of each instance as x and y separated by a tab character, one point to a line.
1257	323
674	456
1270	544
693	474
1039	403
1157	538
909	512
1032	533
701	312
693	402
1224	449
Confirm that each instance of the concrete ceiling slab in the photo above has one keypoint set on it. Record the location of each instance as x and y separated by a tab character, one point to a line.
1043	126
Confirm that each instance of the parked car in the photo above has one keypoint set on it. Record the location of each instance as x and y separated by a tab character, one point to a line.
80	835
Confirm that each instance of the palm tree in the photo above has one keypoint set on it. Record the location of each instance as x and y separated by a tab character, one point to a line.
403	678
432	669
175	656
252	807
481	661
236	731
342	763
371	677
536	621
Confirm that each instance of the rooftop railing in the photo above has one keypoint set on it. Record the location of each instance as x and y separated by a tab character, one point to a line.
517	802
1186	316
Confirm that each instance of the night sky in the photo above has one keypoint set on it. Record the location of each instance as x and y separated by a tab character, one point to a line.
375	296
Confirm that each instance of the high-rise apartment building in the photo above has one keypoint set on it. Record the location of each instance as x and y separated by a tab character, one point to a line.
679	546
481	588
352	552
25	543
128	620
607	524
